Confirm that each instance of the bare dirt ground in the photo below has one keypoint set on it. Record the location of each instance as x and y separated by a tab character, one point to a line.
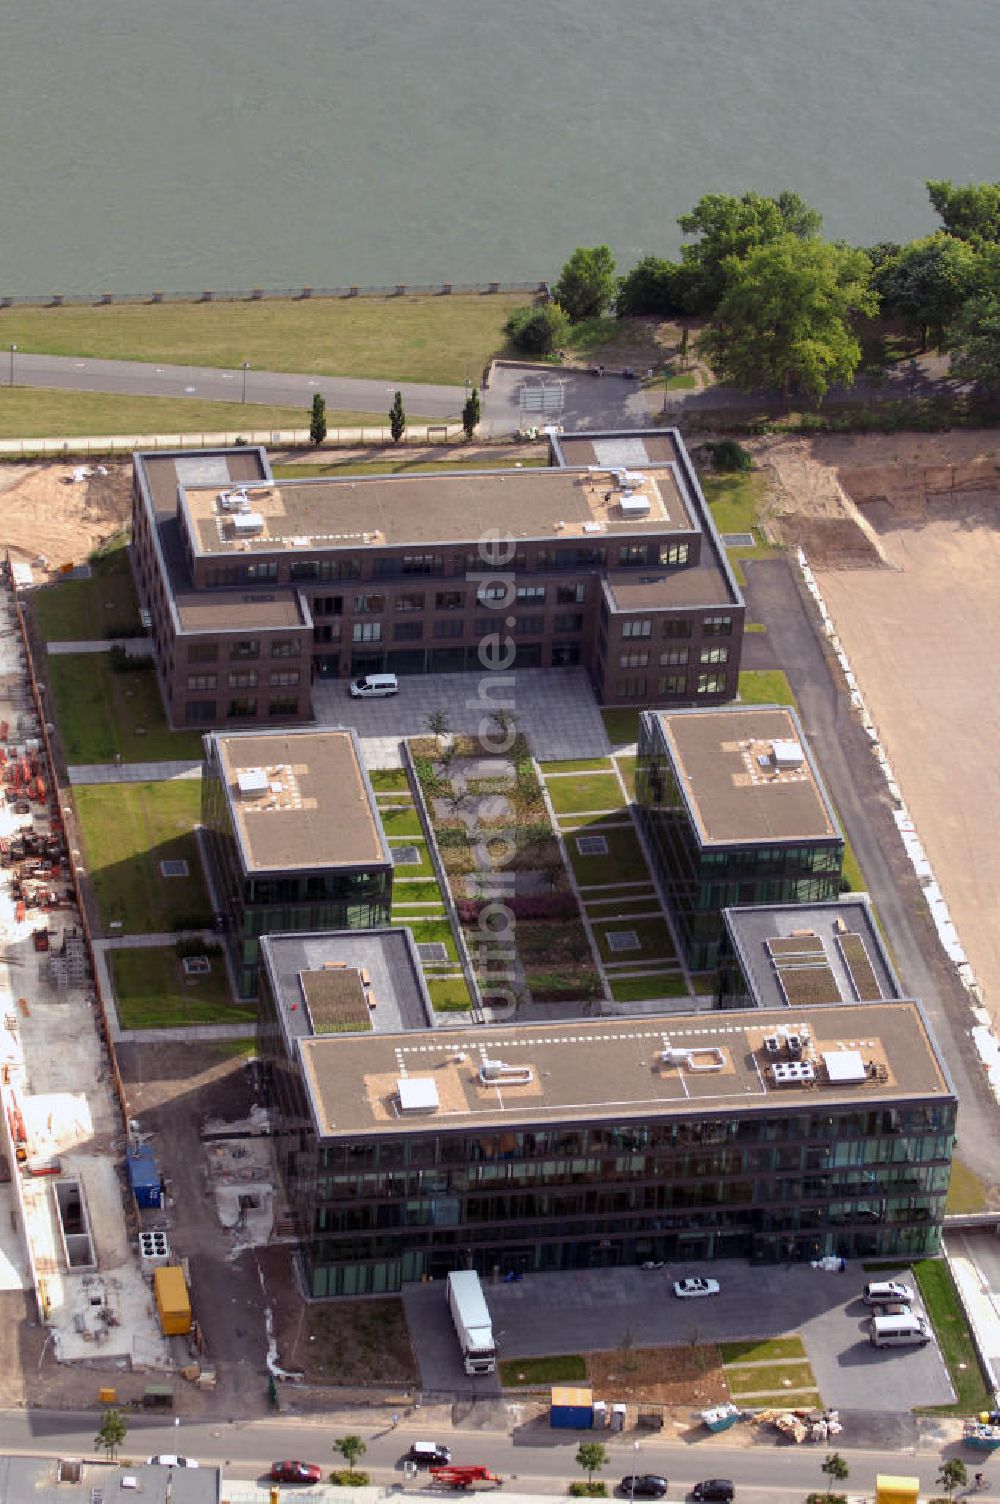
902	532
48	515
690	1375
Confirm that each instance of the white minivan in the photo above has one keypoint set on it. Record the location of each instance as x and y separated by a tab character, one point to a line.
374	686
899	1331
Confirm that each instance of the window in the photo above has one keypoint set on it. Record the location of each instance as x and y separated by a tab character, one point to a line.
423	564
339	569
410	601
570	595
285	679
257	572
245	647
715	655
638	658
303	569
327	605
717	626
633	553
673	684
565	654
286	648
673	553
711	684
203	652
245	680
531	592
483	625
636	628
283	707
408	631
631	689
568	621
367	631
673	657
369	605
201	681
448	628
530	626
449	600
239	709
677	626
327	632
200	711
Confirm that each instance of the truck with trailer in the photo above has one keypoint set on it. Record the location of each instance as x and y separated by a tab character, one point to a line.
473	1323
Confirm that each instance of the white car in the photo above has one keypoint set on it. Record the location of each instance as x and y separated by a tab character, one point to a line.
689	1288
170	1459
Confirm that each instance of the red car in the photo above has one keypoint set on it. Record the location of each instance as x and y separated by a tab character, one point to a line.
295	1472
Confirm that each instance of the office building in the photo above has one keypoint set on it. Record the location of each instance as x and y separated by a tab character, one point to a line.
798	954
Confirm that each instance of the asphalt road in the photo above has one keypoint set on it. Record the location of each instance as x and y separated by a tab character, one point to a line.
278	388
533	1460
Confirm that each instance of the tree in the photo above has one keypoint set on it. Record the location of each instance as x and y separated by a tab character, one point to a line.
730	228
785	319
835	1469
952	1475
591	1456
471	413
350	1447
397	418
587	283
112	1433
317	422
538	330
436	722
927	283
653	286
974	342
971	213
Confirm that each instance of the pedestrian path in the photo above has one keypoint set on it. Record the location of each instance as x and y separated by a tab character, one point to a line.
133	772
100	645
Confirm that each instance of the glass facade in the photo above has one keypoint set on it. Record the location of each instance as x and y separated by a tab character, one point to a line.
790	1183
699	882
331	899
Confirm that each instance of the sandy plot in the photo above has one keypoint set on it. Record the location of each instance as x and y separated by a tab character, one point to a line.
922	640
46	515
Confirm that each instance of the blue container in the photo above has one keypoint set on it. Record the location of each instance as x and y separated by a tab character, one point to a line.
572	1409
143	1177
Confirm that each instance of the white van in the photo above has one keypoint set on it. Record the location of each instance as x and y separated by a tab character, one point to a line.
887	1292
899	1331
374	686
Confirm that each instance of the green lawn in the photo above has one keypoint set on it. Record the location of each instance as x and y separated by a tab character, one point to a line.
152	992
389	778
944	1309
645	989
733	500
762	1352
766	686
434	339
653	936
41	413
401	822
590	791
518	1372
626	766
422	890
449	994
400	464
966	1192
423	868
578	765
103	606
128	829
623	863
99	712
770	1377
427	931
622	725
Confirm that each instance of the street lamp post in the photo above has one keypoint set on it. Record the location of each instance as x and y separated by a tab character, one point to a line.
245	365
10	381
635	1447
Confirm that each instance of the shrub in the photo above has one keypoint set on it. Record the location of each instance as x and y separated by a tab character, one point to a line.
728	455
653	286
594	1490
346	1477
537	331
527	906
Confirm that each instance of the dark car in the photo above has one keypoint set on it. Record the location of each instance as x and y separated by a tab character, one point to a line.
429	1454
718	1490
295	1472
643	1486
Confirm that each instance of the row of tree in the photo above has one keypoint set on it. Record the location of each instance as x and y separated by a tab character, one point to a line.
783	306
471	414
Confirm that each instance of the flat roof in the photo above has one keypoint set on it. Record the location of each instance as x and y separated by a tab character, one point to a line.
331	980
165	471
203	611
384	510
734	790
787	950
313	806
702	584
45	1480
611	1069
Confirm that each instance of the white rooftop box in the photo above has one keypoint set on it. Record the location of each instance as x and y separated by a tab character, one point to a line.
252	782
844	1066
247	522
787	754
417	1094
633	505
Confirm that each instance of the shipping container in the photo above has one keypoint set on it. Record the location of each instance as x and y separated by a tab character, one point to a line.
572	1408
172	1303
143	1177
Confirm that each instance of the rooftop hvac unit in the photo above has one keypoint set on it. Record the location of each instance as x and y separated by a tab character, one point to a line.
632	478
787	754
234	501
417	1094
496	1073
252	782
633	505
247	523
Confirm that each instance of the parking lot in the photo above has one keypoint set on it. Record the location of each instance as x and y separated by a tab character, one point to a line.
589	1310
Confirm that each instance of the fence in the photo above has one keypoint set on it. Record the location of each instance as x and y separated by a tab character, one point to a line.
284	438
268	295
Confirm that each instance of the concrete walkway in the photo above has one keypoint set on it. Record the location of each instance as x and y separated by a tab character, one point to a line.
102	645
133	772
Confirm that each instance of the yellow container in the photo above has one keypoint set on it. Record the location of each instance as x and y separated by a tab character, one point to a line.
107	1396
893	1490
173	1305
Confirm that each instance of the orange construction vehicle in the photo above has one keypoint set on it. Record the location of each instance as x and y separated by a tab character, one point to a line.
455	1476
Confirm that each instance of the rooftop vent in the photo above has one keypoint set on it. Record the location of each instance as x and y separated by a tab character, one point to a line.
234	501
787	754
252	782
496	1073
417	1094
633	479
246	523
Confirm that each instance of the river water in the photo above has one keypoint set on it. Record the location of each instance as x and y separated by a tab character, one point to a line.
179	144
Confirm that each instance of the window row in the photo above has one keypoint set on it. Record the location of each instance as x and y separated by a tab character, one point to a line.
639	657
712	626
671	684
